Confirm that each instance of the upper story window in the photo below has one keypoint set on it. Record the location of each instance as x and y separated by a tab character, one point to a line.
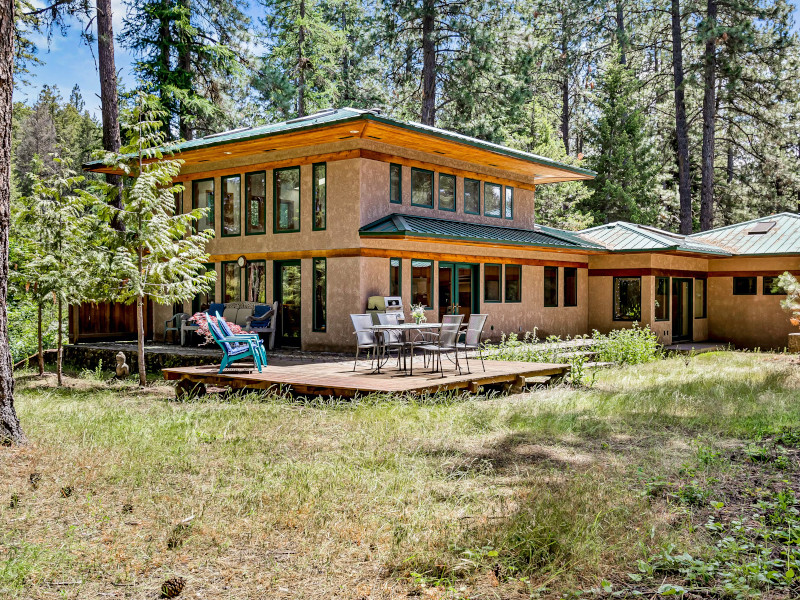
319	192
203	197
422	187
231	205
447	192
395	184
286	202
509	208
492	200
472	196
255	198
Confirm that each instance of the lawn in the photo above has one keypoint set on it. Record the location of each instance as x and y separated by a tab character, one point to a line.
678	474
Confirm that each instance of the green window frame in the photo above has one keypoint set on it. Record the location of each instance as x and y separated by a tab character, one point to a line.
319	310
256	283
447	191
509	203
627	300
492	278
234	268
204	222
745	286
231	190
292	219
319	196
550	287
472	196
492	200
766	286
395	183
512	280
205	298
396	277
662	299
422	270
424	195
570	286
700	301
255	203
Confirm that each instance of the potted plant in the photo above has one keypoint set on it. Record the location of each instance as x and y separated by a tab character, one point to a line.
791	304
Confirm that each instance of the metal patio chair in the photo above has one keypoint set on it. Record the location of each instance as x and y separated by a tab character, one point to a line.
446	342
365	337
472	338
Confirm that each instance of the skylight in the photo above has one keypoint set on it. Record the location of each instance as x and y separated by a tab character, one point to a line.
762	227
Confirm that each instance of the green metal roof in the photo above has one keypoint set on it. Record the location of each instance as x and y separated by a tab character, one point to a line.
412	225
344	115
629	237
780	235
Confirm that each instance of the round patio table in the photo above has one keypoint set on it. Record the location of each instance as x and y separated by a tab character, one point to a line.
408	343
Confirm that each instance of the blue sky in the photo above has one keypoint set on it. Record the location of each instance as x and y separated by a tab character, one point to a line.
67	61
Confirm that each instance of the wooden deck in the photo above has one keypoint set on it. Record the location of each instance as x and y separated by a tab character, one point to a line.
339	379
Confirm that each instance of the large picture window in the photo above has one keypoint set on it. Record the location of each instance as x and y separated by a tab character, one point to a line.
513	283
570	286
319	191
395	184
661	308
231	205
422	188
203	197
447	192
395	277
255	194
286	199
509	207
231	282
627	298
492	200
551	286
700	298
491	283
472	196
320	310
257	281
422	282
744	286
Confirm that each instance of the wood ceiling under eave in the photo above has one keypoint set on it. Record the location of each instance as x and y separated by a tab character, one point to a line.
386	133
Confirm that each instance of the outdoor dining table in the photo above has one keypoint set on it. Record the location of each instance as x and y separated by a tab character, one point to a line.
404	329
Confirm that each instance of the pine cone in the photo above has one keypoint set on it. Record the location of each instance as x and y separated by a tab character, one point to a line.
172	588
35	478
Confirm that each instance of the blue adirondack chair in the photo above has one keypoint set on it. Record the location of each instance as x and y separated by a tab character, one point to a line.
253	337
234	347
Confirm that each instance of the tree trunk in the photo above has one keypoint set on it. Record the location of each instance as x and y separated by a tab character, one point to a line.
10	428
108	77
565	96
621	36
709	120
184	66
428	64
681	126
729	166
301	64
140	340
60	346
40	356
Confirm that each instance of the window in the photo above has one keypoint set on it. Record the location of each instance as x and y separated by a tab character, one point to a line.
570	286
700	298
319	195
513	285
509	210
491	283
421	282
231	282
286	195
662	299
472	196
202	300
231	205
255	194
447	192
422	188
492	200
767	288
627	298
744	286
395	277
203	197
551	286
257	281
320	314
395	184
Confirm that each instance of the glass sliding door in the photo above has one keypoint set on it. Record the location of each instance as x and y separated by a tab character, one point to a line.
287	290
457	289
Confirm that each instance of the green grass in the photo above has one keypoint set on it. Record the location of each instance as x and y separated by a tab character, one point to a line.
467	497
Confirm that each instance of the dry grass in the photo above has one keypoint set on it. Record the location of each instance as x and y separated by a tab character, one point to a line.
382	498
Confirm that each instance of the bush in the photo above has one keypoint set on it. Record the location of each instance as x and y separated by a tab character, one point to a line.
22	328
632	346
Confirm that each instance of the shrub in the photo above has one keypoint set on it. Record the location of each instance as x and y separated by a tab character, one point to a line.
632	346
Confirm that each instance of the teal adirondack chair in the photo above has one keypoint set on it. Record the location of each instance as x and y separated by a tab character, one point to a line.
234	347
253	337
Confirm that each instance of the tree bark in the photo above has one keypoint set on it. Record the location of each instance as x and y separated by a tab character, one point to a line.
140	340
565	95
621	36
184	65
709	119
108	76
60	345
428	64
40	356
681	126
301	64
10	428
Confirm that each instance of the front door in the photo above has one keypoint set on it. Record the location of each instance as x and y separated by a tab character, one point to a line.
287	288
681	310
457	289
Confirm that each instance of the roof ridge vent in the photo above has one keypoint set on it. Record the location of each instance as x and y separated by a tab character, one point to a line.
219	133
321	113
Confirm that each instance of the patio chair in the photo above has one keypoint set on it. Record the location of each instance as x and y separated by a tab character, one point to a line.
253	337
264	323
174	323
392	339
233	347
446	341
365	337
472	338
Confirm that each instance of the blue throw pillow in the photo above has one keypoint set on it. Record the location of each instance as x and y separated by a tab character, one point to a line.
216	307
260	309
